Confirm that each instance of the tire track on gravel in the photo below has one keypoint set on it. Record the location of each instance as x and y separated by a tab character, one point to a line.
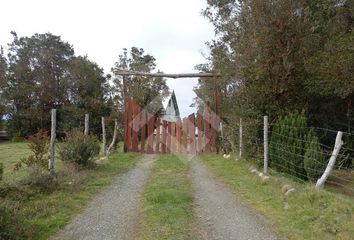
113	213
220	214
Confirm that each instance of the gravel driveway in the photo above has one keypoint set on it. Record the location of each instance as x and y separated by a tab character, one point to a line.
220	214
112	214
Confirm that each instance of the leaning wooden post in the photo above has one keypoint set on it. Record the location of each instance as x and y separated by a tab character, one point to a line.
265	142
104	137
52	141
338	144
240	136
114	137
86	131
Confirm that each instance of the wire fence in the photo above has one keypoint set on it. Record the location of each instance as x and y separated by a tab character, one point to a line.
341	178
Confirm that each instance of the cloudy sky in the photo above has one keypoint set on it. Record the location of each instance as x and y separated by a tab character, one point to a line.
173	31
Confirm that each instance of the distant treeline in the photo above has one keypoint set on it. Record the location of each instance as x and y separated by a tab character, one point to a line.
42	72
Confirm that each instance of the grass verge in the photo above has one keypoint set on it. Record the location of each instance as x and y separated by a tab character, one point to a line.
41	213
166	211
311	215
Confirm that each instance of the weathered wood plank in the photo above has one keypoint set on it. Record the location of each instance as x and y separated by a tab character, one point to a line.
169	137
151	120
185	136
129	127
158	139
200	132
142	130
192	141
173	137
164	134
178	136
135	127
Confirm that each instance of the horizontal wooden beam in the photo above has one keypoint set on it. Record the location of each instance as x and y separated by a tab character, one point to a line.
178	75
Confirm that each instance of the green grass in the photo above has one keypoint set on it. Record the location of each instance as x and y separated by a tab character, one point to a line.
10	154
166	211
311	215
45	212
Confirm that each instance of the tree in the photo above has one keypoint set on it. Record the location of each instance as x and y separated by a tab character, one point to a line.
282	56
146	91
88	90
37	79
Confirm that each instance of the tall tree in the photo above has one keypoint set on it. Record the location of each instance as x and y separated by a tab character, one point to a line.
37	79
146	91
279	56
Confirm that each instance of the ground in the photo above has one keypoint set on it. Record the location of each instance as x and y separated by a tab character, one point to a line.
182	197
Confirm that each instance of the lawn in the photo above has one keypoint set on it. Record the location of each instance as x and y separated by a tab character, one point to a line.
10	154
41	213
311	214
167	204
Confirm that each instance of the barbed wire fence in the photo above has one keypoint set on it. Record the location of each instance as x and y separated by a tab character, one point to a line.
336	171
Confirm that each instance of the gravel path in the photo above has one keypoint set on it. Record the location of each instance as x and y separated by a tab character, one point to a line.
220	214
112	214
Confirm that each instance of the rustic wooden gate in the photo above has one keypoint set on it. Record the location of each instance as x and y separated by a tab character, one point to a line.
147	134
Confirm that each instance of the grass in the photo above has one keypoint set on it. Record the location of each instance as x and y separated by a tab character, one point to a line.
43	213
166	211
10	154
311	215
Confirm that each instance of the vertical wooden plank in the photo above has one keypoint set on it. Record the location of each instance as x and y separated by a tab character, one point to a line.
157	142
200	131
129	128
192	133
169	137
185	135
143	130
173	137
125	120
206	130
178	136
164	129
135	127
150	121
213	133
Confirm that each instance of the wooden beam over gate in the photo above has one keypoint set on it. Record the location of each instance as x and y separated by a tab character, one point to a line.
123	72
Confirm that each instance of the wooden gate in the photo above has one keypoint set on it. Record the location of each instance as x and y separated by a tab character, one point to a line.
147	134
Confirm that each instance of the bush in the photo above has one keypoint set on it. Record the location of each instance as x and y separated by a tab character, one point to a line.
79	148
1	170
11	224
39	145
314	159
286	148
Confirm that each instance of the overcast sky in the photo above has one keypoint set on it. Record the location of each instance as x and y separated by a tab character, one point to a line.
173	31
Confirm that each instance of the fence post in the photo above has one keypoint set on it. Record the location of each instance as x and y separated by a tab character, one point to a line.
114	137
52	140
241	143
104	137
337	146
86	131
265	141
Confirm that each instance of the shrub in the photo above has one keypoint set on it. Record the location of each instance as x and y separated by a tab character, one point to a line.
39	145
11	224
79	148
286	148
1	170
314	159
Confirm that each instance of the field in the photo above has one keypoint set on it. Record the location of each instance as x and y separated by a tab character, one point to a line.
42	213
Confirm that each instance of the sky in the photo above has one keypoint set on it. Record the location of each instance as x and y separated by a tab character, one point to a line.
173	31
